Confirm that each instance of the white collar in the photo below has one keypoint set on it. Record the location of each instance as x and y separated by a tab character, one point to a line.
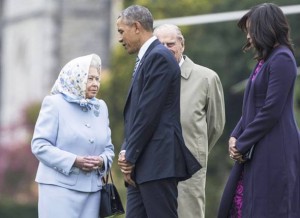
181	61
145	46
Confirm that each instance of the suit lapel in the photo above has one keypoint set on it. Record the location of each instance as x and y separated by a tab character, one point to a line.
152	45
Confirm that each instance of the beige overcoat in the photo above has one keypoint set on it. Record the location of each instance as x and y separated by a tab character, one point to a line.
202	119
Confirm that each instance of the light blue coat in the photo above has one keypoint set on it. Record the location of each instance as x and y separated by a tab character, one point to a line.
63	131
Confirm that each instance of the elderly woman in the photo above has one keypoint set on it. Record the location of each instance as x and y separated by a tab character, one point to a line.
72	141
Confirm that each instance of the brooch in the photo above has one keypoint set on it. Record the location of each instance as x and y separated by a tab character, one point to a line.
97	109
96	112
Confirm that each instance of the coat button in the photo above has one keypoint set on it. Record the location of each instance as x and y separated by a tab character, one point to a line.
88	125
91	141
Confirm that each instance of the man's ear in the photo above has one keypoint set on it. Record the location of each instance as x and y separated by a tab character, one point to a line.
137	26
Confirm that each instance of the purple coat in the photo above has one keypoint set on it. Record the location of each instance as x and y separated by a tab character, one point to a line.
272	177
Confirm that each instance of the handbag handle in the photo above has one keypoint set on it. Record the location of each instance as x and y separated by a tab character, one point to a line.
105	181
108	175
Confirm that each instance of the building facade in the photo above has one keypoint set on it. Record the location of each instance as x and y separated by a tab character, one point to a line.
37	38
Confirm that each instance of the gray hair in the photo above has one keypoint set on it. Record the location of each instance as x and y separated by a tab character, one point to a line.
140	14
96	62
170	27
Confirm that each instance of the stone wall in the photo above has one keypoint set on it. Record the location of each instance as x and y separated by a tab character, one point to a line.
37	38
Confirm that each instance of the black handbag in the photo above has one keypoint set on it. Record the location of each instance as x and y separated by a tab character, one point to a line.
111	203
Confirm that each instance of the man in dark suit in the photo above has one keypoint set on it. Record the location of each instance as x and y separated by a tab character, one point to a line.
154	157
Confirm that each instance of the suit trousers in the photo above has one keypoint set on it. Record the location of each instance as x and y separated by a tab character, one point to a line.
59	202
153	199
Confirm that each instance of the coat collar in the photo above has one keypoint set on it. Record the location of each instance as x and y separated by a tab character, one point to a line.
151	46
186	67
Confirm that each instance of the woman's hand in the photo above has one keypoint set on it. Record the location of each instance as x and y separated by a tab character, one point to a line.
234	154
88	163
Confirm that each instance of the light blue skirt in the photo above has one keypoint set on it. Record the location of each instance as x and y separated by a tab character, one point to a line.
58	202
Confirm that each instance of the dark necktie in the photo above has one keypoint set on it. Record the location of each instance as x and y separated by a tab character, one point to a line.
137	61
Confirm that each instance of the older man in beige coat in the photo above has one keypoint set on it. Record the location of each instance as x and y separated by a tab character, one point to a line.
202	118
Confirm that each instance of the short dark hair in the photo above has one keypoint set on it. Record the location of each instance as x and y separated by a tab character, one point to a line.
138	13
268	27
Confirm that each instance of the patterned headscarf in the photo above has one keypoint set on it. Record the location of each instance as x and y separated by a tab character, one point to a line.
72	81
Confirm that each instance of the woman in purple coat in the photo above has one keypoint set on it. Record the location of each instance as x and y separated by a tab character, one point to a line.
267	184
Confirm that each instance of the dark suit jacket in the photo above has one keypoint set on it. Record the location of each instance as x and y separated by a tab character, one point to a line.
153	136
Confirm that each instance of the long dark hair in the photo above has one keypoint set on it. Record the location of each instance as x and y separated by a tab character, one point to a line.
268	28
